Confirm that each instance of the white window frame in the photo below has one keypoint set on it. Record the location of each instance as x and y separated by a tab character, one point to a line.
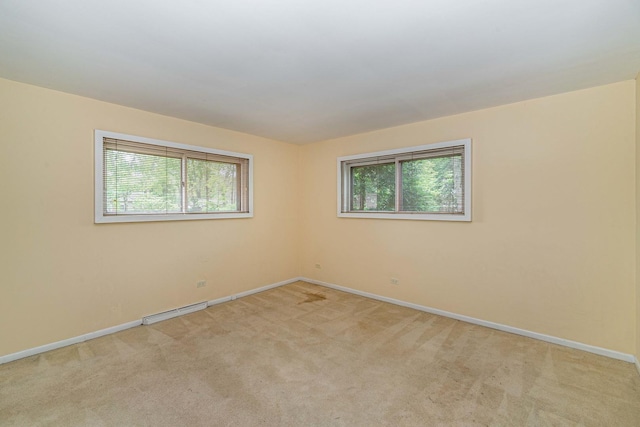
101	217
399	155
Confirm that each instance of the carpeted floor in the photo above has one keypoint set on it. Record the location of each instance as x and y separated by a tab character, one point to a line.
303	355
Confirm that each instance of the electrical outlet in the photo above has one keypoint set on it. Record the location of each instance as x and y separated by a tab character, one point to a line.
318	266
201	284
395	281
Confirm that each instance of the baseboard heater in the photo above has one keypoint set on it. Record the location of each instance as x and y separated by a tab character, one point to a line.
148	320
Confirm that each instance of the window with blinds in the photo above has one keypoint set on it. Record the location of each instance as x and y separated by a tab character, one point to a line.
431	182
140	179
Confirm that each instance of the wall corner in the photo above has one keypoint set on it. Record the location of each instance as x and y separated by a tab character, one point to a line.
637	123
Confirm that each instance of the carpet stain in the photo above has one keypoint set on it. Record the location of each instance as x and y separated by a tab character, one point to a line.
312	297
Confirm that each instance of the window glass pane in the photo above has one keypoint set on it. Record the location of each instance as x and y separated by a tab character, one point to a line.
373	187
433	185
212	186
141	183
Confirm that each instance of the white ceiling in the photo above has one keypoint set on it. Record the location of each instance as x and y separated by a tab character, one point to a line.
302	71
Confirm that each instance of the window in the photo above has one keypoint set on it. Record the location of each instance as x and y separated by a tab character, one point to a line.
428	182
142	179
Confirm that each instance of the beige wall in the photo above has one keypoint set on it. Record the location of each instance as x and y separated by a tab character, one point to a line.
63	276
551	247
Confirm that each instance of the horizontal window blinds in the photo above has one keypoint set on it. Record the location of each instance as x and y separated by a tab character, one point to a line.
438	152
148	179
141	179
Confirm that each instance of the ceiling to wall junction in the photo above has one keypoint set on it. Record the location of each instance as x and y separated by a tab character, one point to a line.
303	71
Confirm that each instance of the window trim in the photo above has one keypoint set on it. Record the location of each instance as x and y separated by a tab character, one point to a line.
400	154
100	217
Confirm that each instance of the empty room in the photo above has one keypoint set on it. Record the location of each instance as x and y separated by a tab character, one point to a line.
304	213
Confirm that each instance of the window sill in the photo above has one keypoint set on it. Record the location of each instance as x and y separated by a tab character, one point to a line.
416	216
102	219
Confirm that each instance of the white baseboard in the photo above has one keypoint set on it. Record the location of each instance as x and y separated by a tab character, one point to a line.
253	291
542	337
91	335
75	340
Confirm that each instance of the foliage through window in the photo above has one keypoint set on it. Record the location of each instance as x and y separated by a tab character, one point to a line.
426	182
139	179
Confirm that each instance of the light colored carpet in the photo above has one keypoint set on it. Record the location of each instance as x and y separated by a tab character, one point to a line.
303	355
